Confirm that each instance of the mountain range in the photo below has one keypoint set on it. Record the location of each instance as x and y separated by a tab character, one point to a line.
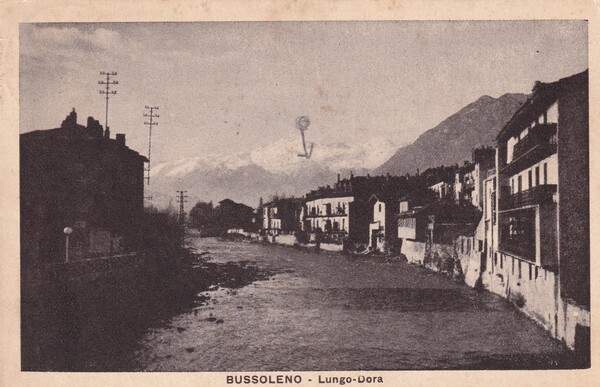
452	141
277	169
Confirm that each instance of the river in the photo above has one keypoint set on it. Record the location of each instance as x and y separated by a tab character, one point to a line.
328	311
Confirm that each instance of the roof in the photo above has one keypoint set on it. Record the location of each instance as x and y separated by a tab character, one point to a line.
446	211
285	201
543	96
70	131
235	204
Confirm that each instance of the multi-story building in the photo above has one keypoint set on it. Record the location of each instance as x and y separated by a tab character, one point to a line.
282	216
233	215
443	189
342	211
541	234
77	176
468	183
382	229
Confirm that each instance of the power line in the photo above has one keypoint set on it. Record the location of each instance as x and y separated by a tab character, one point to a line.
150	124
108	92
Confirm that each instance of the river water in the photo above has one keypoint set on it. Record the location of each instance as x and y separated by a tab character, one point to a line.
328	311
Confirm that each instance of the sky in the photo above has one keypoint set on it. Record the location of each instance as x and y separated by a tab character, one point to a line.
232	87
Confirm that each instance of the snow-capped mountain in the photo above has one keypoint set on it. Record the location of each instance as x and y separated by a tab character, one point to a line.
274	168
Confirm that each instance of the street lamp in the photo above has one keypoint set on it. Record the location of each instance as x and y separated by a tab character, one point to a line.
68	231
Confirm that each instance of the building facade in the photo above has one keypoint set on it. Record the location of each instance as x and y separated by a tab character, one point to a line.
77	176
344	211
540	235
282	216
468	184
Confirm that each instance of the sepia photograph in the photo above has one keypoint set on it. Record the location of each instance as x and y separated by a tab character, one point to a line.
292	196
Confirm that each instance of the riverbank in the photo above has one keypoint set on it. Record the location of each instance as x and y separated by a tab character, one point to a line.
88	315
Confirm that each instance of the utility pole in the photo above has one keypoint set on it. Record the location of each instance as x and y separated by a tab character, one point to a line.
150	124
108	92
182	201
148	198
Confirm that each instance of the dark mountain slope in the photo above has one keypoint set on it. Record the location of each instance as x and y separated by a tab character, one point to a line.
453	139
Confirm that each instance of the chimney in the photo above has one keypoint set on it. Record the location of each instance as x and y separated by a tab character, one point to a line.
107	134
338	178
70	120
120	139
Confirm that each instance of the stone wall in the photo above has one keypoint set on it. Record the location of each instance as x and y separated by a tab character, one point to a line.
287	240
413	251
331	247
532	288
471	260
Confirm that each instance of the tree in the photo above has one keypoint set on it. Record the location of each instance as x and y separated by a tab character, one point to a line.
202	215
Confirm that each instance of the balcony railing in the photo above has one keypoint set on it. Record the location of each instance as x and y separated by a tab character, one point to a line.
539	143
536	195
325	215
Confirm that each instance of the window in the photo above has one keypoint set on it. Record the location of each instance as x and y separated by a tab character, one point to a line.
545	173
379	207
529	180
519	183
537	175
519	269
530	272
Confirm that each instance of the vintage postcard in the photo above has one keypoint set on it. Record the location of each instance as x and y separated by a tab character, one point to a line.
298	196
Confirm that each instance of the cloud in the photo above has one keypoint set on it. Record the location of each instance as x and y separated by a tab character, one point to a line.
43	41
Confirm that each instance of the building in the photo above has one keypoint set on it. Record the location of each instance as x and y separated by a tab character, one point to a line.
343	212
383	227
232	215
377	227
77	176
541	234
443	189
282	216
440	221
468	183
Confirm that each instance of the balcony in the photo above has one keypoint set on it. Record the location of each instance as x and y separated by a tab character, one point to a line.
518	234
521	248
537	195
326	215
537	145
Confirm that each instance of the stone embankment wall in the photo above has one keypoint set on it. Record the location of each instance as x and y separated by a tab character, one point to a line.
459	260
535	291
291	240
531	288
